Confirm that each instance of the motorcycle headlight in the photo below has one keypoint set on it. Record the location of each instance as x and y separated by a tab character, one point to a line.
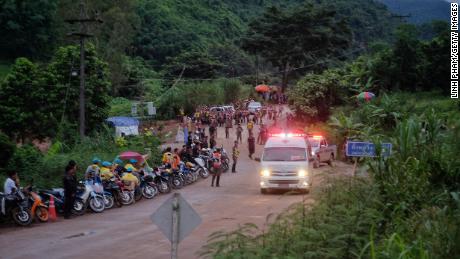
265	173
302	173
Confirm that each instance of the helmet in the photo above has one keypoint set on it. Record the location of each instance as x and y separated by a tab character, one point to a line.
133	161
96	160
129	170
118	161
106	164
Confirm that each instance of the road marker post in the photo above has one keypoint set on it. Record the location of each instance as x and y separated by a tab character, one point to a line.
175	226
168	219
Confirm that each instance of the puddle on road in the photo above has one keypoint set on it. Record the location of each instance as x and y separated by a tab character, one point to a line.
87	233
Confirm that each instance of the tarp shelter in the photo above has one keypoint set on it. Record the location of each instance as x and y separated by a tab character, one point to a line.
126	125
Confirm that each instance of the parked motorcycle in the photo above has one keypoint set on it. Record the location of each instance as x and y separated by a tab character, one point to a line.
161	181
58	195
87	197
127	196
37	207
225	160
175	178
200	164
16	206
148	187
186	173
114	189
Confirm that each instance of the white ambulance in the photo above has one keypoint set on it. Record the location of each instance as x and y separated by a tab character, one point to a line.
284	163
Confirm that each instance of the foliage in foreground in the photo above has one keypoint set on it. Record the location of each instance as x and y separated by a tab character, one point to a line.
47	170
336	226
407	206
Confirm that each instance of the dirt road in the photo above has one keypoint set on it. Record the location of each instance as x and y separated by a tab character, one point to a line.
127	232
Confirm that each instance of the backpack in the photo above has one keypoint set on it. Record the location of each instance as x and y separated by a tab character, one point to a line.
216	162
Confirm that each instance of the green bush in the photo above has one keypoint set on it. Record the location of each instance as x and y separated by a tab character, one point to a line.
7	148
28	162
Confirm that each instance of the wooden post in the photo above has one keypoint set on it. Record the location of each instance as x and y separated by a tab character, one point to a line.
354	166
175	226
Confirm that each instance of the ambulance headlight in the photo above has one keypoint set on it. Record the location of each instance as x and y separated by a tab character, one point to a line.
302	173
265	173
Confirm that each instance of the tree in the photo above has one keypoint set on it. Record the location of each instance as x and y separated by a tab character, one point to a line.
290	39
434	68
315	94
24	107
196	64
406	57
27	28
114	37
64	94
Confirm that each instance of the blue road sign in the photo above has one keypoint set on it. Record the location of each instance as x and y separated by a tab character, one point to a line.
366	149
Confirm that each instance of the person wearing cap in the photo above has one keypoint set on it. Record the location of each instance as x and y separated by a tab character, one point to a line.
93	170
235	155
131	178
106	172
131	164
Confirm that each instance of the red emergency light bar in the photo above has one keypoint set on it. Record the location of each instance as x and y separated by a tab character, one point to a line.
286	135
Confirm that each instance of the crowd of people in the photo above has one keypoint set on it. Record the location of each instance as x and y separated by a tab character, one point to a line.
194	126
237	118
196	139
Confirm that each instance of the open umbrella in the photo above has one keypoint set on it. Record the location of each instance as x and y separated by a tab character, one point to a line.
131	155
366	96
262	88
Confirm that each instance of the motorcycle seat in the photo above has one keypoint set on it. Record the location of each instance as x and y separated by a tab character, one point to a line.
53	192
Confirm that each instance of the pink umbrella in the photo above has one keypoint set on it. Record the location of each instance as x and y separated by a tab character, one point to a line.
131	155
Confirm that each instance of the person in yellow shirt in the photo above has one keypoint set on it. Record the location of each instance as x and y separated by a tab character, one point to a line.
132	164
131	179
250	126
106	172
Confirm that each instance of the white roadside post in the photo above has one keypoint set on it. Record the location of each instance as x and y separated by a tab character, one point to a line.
168	219
175	226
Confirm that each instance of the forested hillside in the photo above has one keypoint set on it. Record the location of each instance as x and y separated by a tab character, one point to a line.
166	34
420	11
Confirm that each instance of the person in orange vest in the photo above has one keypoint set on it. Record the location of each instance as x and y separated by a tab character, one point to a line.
176	159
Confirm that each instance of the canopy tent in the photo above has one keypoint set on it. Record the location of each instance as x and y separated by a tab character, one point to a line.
124	125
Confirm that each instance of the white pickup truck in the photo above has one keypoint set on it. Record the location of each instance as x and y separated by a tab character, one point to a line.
320	151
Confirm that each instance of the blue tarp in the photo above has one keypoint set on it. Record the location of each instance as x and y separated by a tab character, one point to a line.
123	121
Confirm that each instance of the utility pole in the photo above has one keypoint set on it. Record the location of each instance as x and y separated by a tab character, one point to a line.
82	34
